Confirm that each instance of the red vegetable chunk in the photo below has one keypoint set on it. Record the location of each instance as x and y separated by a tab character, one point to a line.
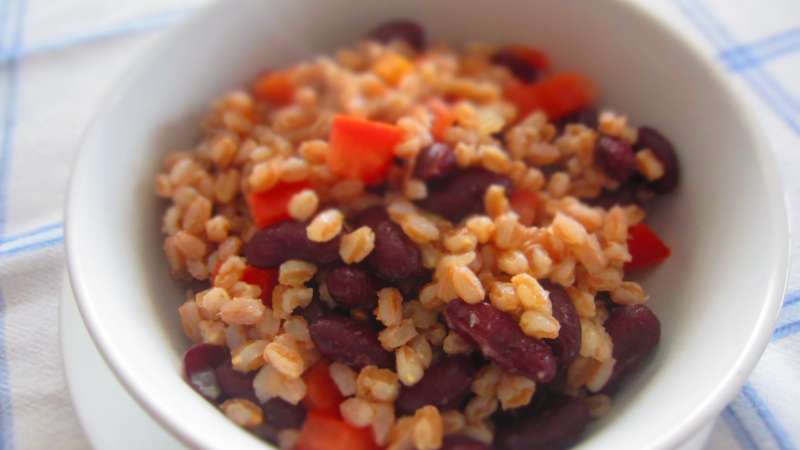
646	248
362	149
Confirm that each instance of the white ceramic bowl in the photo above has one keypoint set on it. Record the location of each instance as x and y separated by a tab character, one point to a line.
717	297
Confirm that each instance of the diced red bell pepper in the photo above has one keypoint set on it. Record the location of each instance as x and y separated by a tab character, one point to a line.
443	118
322	394
323	432
362	149
266	279
272	206
275	87
526	204
558	95
645	247
534	57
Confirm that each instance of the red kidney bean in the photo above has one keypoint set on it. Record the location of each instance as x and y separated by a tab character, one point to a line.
371	217
445	385
568	343
199	364
616	158
463	194
556	428
661	146
456	442
350	342
395	257
436	162
235	384
519	67
287	240
403	29
626	194
282	414
500	339
352	287
315	310
266	432
635	332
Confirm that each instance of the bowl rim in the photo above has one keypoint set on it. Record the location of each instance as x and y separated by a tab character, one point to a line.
702	413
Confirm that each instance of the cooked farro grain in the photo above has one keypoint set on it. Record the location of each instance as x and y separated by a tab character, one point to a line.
485	383
357	412
212	332
504	297
377	384
515	391
539	324
269	383
325	226
390	307
487	202
357	245
467	285
512	262
284	359
409	365
303	205
395	336
249	357
482	227
454	344
629	293
428	429
243	412
242	311
344	377
495	201
296	273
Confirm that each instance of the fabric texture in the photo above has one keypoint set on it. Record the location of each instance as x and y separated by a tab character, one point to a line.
59	57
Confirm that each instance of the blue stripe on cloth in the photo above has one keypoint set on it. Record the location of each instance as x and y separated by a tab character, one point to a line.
35	231
772	47
791	299
786	330
761	82
138	25
783	439
27	248
742	435
6	406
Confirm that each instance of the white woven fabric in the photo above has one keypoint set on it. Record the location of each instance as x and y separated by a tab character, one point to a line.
58	57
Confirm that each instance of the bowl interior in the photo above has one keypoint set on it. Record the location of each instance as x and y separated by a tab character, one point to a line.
716	297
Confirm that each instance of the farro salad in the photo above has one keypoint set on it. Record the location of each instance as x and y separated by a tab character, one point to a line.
408	246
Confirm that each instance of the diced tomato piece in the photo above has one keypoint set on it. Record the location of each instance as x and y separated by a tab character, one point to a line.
266	279
322	394
534	57
323	432
558	95
362	149
443	118
275	87
272	206
526	204
646	248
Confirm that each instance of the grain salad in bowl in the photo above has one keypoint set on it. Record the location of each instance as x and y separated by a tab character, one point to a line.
408	246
